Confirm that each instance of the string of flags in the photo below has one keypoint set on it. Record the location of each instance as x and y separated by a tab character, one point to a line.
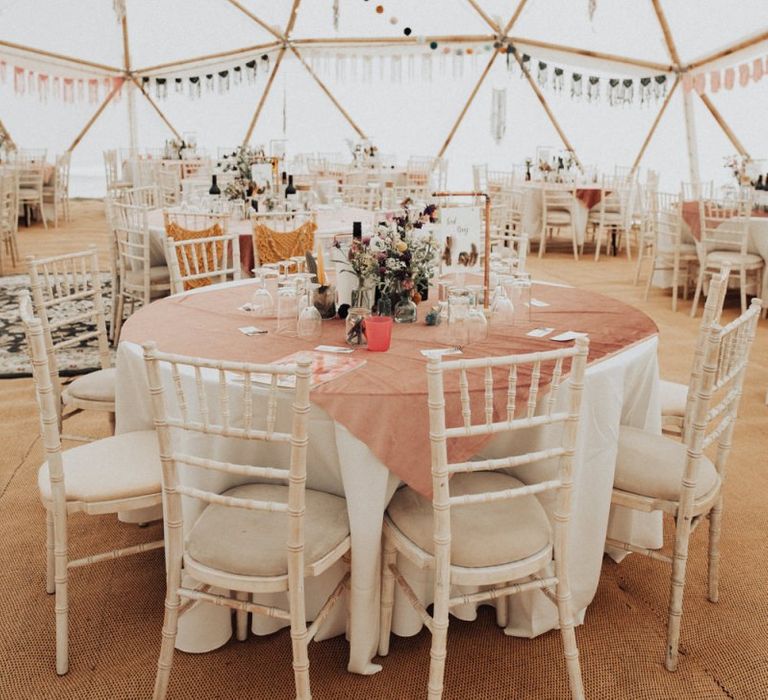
395	67
726	78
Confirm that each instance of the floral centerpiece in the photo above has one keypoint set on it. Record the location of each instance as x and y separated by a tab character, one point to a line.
239	162
738	164
396	263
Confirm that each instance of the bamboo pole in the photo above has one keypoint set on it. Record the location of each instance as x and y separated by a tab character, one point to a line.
514	17
480	11
102	106
723	125
130	103
547	109
258	21
395	40
61	57
665	30
207	58
690	137
734	48
325	89
10	145
292	18
655	124
263	97
469	101
156	108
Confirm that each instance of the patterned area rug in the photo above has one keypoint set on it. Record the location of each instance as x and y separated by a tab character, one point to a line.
14	361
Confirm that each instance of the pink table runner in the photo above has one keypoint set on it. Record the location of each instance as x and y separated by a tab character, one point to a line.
692	217
384	403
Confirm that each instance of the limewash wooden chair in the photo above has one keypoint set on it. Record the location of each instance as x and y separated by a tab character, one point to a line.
110	476
66	293
260	536
657	473
483	527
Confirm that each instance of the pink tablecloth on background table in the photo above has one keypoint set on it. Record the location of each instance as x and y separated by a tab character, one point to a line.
692	216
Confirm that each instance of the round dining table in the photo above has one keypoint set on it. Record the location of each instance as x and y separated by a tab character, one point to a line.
369	435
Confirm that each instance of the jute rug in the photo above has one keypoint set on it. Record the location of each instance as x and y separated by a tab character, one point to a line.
116	607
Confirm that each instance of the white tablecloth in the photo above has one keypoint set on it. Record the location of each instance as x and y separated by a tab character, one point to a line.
620	389
533	209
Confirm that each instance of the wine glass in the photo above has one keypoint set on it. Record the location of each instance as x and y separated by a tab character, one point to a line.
262	303
502	309
310	324
477	324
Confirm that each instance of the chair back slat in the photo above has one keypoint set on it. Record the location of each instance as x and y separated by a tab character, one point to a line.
67	295
717	392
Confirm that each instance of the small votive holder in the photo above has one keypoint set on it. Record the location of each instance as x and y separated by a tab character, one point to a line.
379	332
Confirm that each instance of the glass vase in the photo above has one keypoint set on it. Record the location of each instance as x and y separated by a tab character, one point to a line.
362	297
355	325
405	311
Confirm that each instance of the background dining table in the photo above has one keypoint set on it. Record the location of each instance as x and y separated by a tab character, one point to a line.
369	435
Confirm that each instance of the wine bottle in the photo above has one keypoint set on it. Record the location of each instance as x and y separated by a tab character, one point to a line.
290	189
291	197
214	191
357	230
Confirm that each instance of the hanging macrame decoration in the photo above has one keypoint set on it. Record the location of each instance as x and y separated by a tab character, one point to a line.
542	74
57	87
525	63
209	84
660	87
593	88
498	114
178	85
223	81
629	90
576	86
43	87
68	90
510	57
195	87
645	91
336	15
426	67
367	69
341	67
458	64
119	7
613	91
395	69
250	72
591	7
161	88
558	80
19	81
411	67
353	67
265	61
237	75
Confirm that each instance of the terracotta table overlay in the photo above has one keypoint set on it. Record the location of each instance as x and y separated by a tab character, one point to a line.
692	217
392	384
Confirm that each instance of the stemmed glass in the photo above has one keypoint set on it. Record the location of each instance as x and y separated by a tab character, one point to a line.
310	324
262	303
476	321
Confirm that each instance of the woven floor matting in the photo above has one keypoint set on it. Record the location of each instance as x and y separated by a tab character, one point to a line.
116	607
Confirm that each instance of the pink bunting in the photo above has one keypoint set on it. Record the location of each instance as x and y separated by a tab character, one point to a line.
699	83
714	81
730	78
19	81
757	69
744	74
687	82
68	91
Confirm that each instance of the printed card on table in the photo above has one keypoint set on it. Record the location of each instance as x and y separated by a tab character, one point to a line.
325	368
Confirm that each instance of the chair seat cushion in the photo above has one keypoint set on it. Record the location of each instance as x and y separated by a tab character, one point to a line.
94	386
483	534
253	542
557	217
157	275
121	466
29	193
674	397
718	257
652	465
